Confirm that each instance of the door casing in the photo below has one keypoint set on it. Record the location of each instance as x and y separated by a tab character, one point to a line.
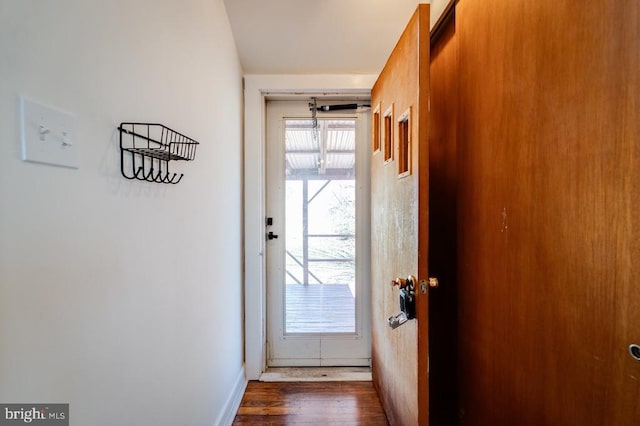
257	88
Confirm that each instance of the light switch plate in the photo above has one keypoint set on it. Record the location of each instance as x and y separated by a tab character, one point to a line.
48	135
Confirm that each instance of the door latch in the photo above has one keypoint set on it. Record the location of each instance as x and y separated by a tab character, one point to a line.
432	283
271	236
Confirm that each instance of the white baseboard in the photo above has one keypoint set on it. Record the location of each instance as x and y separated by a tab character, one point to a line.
233	402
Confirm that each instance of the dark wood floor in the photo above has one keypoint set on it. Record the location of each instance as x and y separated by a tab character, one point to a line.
310	403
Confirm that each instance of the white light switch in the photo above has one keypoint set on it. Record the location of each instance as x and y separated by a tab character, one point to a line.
48	135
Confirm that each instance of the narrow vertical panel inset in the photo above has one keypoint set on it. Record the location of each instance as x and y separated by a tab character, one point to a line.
388	134
375	131
404	144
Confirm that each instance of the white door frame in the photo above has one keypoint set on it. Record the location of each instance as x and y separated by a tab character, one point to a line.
257	88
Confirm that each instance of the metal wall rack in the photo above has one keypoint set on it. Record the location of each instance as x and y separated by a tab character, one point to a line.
150	147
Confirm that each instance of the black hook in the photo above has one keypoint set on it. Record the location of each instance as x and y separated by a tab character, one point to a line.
139	174
174	176
149	177
158	178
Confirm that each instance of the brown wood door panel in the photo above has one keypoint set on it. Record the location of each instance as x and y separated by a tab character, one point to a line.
400	230
548	210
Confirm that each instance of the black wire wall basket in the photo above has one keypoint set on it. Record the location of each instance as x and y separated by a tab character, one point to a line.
147	148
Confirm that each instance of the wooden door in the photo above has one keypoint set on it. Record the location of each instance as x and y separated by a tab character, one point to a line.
549	212
399	234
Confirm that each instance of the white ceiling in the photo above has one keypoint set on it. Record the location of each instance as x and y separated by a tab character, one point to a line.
317	36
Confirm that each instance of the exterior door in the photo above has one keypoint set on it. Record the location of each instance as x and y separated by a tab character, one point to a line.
399	240
317	246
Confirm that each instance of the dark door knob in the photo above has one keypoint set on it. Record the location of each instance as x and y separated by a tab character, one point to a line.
271	236
634	350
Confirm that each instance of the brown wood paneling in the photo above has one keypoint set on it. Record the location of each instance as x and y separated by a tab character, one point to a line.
321	403
399	231
443	320
549	201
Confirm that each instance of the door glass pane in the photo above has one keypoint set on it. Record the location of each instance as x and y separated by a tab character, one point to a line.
320	226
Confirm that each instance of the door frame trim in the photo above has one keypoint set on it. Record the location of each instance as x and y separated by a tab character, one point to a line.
257	88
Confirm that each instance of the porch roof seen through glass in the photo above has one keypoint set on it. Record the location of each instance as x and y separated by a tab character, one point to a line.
328	150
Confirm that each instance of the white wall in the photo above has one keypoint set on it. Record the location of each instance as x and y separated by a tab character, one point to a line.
123	298
438	8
